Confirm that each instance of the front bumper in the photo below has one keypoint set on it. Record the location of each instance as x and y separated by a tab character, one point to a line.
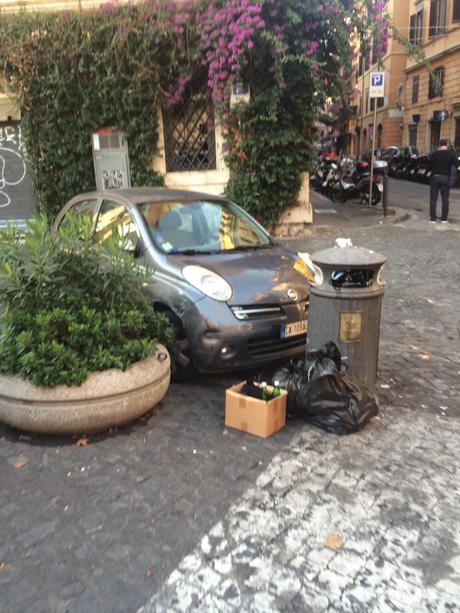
220	342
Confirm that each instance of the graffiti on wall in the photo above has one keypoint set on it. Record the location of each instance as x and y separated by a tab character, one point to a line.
15	183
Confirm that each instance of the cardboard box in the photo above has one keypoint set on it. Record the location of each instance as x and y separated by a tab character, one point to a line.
252	415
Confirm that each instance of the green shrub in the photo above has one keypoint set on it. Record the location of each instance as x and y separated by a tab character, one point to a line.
70	307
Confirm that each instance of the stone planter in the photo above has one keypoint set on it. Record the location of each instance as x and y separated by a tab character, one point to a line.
106	399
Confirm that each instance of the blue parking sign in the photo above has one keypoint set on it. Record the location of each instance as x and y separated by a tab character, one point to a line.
377	85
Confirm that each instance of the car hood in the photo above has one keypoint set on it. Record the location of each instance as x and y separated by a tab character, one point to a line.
259	276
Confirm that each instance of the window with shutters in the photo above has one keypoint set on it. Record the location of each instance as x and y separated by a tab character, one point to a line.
190	142
415	89
438	18
416	28
436	83
456	11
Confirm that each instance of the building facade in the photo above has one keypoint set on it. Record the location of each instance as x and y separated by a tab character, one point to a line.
390	113
432	87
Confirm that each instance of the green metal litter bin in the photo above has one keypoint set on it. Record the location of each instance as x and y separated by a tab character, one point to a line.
345	307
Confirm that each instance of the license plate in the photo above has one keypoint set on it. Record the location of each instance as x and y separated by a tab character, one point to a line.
295	329
380	187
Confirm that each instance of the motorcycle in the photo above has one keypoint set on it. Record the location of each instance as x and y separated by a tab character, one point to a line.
324	176
354	181
423	173
410	168
402	163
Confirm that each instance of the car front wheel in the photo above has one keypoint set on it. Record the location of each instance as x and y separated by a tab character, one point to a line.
182	367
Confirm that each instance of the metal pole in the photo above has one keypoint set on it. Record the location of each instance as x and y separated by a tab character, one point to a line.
362	116
385	193
372	150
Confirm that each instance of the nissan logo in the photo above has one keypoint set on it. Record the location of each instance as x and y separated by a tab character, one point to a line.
292	294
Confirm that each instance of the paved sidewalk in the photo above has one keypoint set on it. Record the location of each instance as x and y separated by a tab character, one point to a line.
394	519
132	520
407	201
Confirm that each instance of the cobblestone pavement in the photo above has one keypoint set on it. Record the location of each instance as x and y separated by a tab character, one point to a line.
178	512
396	514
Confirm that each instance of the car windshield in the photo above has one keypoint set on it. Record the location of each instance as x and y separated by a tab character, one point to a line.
202	226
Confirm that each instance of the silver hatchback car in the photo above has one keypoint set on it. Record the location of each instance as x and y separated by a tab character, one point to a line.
235	297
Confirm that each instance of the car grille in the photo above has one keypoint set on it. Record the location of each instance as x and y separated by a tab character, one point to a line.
261	347
257	312
264	311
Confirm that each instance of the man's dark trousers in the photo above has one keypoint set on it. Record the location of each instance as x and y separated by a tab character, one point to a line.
439	183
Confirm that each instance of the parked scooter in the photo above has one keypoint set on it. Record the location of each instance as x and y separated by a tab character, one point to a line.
423	174
353	181
410	168
324	176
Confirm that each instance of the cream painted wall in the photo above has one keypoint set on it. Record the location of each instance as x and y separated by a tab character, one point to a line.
208	181
8	108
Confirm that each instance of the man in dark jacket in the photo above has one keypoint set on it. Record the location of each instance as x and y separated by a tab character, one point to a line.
441	162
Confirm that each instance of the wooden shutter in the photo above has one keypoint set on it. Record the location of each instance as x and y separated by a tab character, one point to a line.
419	27
442	19
441	82
412	32
456	11
433	18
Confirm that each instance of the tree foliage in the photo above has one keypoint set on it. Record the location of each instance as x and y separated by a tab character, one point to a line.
77	72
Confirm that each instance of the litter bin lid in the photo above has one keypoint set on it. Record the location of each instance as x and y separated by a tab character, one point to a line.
348	256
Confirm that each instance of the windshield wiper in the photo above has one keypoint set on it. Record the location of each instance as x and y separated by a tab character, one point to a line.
194	252
249	247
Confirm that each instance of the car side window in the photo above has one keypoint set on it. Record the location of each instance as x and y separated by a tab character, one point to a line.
113	215
80	209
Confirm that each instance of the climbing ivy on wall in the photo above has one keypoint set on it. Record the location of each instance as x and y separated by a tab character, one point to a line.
76	72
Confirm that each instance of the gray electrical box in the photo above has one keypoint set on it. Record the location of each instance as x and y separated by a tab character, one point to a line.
111	160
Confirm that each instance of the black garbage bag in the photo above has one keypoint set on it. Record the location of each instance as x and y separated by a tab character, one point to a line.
324	361
336	403
291	378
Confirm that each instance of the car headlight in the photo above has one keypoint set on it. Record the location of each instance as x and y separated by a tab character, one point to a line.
305	266
380	280
208	282
319	277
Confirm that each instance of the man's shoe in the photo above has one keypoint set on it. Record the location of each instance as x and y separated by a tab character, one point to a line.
432	220
444	221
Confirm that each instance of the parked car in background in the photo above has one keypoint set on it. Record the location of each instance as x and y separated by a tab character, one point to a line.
388	153
366	157
235	298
